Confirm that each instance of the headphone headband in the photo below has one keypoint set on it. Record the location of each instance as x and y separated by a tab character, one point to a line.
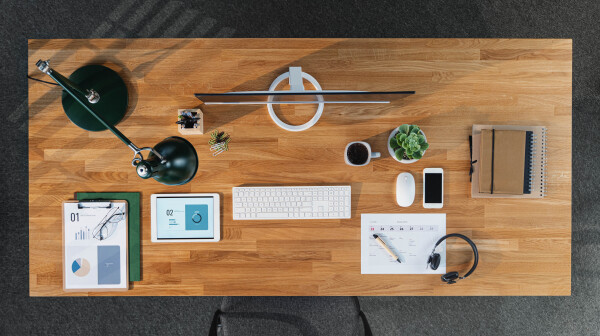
468	240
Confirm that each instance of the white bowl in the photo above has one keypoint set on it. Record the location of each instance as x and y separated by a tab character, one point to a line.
392	134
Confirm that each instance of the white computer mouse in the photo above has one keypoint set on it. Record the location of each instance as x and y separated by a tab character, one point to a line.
405	189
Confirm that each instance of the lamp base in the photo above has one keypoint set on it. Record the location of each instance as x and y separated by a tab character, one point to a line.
112	105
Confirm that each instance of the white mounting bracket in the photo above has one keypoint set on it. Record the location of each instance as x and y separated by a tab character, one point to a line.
295	76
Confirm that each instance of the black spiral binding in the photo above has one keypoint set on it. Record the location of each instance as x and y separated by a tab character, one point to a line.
542	164
532	156
493	145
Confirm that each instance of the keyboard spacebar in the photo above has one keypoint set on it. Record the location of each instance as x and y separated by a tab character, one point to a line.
271	215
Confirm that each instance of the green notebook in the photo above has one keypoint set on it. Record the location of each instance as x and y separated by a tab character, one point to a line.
133	200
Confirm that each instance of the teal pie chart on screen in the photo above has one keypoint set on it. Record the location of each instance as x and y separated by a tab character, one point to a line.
80	267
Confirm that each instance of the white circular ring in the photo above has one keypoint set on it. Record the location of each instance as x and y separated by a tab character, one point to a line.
311	122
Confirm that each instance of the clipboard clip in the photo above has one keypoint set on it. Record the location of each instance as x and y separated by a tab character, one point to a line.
94	204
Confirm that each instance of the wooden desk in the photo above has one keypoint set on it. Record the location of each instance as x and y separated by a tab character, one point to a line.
525	245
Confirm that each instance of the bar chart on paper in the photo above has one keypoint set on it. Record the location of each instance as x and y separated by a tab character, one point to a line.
84	233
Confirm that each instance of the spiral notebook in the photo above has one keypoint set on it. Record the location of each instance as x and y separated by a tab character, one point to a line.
509	161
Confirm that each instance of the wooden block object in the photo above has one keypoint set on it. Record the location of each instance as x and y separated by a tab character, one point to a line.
198	127
524	244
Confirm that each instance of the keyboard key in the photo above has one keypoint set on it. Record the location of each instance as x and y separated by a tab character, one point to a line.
276	215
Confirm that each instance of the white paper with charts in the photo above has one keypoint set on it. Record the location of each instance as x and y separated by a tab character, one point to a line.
410	236
90	264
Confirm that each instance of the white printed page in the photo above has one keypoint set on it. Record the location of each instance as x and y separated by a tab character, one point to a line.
410	236
90	263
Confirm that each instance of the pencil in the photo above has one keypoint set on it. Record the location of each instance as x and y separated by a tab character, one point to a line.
382	243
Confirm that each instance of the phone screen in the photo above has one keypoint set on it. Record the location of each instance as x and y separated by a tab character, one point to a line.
433	188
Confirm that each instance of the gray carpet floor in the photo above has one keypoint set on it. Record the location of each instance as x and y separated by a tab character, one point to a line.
576	19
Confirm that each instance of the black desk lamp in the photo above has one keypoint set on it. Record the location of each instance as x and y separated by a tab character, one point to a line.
103	103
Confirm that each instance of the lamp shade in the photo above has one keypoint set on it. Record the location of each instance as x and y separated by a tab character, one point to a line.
178	165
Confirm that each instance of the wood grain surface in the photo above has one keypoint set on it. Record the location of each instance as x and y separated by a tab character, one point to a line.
525	244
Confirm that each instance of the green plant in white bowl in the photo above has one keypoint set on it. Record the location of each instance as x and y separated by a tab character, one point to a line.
409	143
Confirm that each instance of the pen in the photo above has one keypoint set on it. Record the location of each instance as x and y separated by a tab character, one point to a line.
382	243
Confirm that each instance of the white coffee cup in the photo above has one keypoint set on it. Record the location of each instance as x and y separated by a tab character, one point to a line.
370	154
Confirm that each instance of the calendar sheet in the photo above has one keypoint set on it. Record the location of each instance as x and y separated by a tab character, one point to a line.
410	236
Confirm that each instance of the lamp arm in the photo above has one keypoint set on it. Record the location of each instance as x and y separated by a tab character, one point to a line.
71	89
92	96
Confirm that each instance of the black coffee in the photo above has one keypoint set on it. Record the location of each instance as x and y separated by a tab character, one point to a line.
357	154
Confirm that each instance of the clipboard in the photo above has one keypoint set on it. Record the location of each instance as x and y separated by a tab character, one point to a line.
133	224
95	250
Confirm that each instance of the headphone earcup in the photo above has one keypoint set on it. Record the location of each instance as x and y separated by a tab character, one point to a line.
434	261
450	277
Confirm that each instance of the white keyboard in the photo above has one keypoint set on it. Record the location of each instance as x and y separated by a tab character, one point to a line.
313	202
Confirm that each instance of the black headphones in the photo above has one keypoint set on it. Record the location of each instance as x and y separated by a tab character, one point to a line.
434	259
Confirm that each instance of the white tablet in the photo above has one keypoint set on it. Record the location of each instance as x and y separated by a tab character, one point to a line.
185	218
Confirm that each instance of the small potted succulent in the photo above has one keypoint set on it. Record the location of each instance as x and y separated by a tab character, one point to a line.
407	143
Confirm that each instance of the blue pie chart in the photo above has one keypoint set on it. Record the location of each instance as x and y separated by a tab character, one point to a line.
80	267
